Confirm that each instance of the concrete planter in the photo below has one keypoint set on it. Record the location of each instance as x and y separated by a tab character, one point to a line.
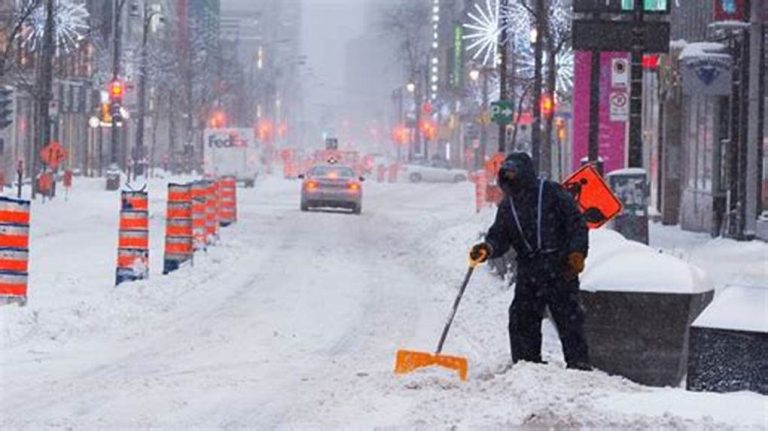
729	343
642	335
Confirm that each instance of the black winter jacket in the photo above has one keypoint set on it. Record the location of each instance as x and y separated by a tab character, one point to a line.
563	228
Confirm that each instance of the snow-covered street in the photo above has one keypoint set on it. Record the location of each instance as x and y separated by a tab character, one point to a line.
292	321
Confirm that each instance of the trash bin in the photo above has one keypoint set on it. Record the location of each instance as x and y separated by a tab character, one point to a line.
631	187
113	177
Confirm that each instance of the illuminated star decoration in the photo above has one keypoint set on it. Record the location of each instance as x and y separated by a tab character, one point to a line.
483	30
70	23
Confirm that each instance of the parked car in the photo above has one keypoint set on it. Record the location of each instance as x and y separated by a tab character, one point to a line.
433	171
333	186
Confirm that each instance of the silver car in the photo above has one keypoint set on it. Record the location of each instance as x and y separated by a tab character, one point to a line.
332	186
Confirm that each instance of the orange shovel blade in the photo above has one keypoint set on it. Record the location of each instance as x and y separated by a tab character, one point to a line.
409	360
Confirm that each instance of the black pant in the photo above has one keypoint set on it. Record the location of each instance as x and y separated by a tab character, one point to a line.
533	292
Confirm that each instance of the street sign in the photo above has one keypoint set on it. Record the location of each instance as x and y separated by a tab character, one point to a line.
619	6
619	106
596	35
53	154
593	196
502	112
619	73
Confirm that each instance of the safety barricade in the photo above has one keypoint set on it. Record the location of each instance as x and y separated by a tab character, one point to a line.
14	250
133	237
212	212
228	200
199	216
481	185
381	173
178	227
394	170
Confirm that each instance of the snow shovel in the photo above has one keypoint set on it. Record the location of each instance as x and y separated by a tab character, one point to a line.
410	360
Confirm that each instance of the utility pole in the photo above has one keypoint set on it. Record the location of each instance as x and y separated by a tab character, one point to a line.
480	160
754	141
44	91
636	88
115	76
538	54
503	93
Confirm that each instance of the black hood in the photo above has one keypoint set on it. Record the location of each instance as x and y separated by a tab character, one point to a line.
525	174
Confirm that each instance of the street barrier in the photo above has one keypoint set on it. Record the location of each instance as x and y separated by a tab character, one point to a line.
133	237
212	212
178	228
481	187
394	169
381	173
228	200
14	250
199	193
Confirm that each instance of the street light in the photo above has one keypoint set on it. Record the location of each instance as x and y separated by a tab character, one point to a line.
474	74
411	87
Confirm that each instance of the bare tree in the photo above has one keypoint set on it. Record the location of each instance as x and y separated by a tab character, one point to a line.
408	21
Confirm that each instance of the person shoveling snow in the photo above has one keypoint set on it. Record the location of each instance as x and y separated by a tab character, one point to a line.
542	223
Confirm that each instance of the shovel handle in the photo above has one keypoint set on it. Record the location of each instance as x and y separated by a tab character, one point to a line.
455	308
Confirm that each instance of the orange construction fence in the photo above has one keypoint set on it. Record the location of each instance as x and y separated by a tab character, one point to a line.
14	249
133	238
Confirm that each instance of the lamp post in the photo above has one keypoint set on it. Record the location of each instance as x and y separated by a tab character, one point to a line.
482	149
119	4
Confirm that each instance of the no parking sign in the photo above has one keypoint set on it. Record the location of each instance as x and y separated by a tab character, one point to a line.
619	103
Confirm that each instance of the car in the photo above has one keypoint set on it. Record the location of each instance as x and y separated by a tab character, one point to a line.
332	186
433	171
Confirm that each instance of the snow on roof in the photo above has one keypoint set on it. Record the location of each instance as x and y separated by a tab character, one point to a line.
703	49
616	264
628	171
739	308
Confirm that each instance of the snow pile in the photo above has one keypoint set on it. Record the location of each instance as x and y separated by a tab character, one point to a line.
738	308
619	265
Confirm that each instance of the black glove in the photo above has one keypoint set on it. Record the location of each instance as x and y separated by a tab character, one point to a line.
480	252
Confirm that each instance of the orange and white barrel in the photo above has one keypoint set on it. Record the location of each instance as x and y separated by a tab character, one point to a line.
199	216
227	200
481	183
394	169
178	227
14	249
133	237
212	213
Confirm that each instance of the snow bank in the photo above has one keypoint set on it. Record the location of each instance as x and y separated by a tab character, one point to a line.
738	308
617	264
703	49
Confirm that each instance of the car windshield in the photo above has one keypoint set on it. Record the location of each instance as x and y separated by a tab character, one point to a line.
332	172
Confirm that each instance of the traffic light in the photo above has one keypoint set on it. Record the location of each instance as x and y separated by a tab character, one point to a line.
264	129
218	120
6	107
547	106
116	91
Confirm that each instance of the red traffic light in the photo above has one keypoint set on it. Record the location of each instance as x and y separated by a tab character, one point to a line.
116	90
428	129
218	120
265	130
547	105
